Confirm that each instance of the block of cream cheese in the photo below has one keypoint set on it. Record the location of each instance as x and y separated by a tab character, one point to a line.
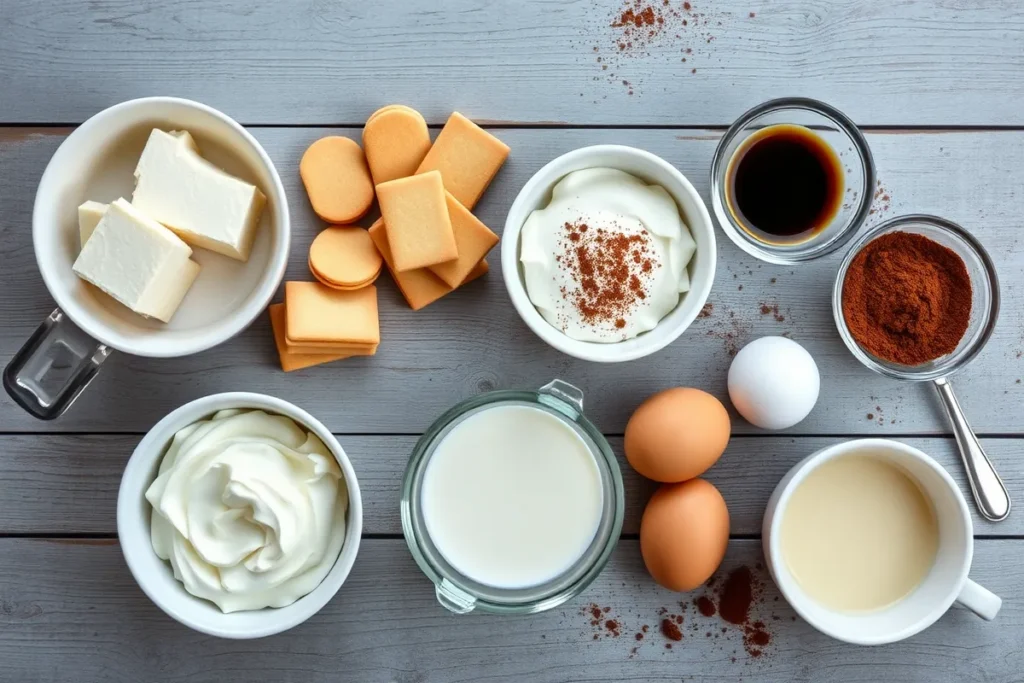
89	215
205	206
137	261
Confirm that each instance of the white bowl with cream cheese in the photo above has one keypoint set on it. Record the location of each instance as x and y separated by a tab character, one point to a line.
239	515
629	194
97	163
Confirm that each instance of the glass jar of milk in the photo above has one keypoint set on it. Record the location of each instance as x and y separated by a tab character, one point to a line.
512	501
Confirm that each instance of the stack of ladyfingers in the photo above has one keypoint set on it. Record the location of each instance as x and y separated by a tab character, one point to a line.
427	234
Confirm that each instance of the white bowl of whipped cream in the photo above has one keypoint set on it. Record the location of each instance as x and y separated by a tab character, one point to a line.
239	515
608	253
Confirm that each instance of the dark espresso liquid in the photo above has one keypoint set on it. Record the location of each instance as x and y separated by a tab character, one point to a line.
785	181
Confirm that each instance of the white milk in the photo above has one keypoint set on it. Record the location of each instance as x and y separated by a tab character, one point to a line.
512	497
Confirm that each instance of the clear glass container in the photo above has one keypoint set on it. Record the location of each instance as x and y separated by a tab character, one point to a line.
461	594
984	297
987	487
850	146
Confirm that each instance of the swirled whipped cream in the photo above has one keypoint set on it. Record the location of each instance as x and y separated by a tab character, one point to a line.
249	508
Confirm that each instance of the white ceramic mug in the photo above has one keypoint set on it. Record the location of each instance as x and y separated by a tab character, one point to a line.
947	581
97	161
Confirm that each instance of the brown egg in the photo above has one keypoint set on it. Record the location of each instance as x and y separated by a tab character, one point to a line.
677	434
683	534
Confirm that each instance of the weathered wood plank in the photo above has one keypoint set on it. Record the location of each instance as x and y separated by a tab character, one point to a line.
315	62
73	607
474	341
56	484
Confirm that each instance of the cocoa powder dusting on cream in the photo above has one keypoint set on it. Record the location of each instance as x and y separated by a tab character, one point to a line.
612	272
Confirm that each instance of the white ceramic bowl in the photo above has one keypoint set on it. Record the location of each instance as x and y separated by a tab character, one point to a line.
155	576
97	161
537	193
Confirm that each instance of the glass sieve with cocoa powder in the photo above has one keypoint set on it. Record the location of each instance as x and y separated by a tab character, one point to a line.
921	350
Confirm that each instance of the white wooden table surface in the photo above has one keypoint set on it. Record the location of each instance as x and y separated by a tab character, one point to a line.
938	85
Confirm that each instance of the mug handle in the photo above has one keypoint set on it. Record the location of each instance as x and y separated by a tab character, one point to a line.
53	367
979	600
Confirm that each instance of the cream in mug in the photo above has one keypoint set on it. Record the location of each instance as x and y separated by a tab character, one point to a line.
858	534
249	508
512	496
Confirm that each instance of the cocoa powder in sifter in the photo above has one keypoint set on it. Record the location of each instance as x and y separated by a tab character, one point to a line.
907	299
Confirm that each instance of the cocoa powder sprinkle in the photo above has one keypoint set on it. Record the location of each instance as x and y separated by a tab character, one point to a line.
705	606
612	271
670	629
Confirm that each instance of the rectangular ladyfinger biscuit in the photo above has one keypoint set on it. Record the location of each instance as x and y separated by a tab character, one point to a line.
420	287
473	238
419	228
295	361
348	351
319	315
468	158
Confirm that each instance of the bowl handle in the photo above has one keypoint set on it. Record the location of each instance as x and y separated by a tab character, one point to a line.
453	598
53	367
563	397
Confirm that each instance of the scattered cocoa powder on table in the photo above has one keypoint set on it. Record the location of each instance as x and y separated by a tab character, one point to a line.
735	598
670	629
705	606
665	28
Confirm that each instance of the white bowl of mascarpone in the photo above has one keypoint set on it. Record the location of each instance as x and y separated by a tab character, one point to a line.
608	253
239	515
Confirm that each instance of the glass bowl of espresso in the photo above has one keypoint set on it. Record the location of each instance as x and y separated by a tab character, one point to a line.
792	180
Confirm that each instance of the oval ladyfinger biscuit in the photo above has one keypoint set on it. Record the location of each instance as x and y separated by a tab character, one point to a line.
391	107
345	288
337	179
345	256
395	139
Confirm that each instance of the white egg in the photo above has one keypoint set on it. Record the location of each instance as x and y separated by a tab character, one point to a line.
773	382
